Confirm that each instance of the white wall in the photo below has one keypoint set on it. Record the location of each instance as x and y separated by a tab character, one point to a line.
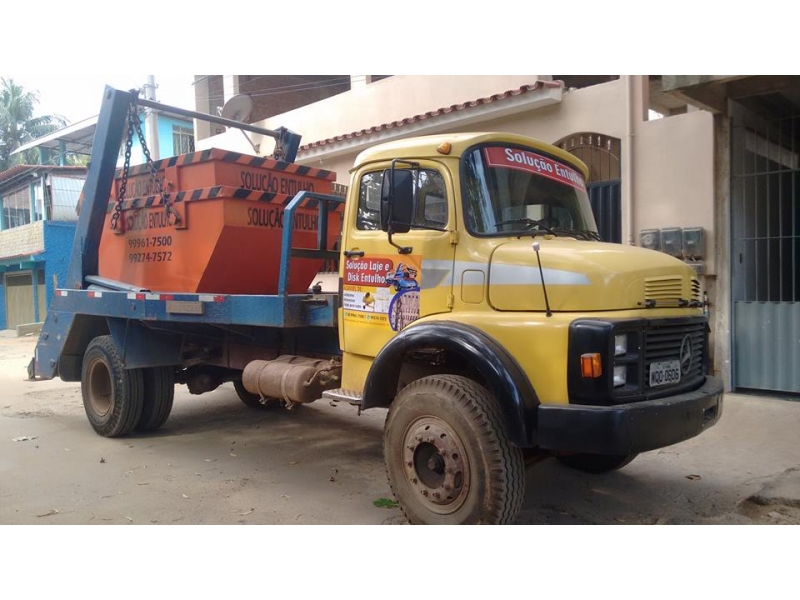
674	176
384	101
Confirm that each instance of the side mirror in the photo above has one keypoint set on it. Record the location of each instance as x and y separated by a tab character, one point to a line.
397	200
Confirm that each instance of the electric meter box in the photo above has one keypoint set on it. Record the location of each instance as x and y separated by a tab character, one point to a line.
650	239
693	243
672	241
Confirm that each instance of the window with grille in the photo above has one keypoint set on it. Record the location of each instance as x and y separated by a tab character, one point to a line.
17	207
182	139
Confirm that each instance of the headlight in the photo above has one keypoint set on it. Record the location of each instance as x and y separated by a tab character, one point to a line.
620	345
620	376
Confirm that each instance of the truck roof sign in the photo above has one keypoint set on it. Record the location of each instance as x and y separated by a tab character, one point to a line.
524	160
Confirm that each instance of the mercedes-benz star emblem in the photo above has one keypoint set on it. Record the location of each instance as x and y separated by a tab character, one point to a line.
686	354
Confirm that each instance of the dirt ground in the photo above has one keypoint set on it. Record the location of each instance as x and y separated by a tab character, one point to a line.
217	461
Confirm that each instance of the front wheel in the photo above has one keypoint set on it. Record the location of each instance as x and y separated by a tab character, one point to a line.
447	455
112	394
596	463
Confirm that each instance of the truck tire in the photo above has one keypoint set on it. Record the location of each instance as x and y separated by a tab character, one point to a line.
253	400
596	463
112	395
159	393
447	455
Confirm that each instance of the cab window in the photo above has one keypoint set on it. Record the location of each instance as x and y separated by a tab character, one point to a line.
430	200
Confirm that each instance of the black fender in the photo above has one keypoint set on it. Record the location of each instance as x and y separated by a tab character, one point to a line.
504	378
141	347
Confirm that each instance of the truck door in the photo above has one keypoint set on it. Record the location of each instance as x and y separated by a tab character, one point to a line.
385	291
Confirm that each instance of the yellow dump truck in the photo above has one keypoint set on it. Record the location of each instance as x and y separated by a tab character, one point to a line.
473	299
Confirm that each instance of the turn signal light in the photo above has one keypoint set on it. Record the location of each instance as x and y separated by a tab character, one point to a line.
444	148
591	367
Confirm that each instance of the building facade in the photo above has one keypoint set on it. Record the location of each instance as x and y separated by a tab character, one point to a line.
37	227
39	212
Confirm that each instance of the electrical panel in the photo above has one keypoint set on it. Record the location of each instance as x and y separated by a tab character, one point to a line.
672	241
687	243
693	243
650	239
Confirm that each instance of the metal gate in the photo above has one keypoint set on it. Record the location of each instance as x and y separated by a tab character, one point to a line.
606	200
600	153
765	214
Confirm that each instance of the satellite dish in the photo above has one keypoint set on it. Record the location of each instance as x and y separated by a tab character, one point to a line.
238	108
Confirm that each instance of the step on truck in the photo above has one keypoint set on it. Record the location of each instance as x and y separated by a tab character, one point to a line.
462	285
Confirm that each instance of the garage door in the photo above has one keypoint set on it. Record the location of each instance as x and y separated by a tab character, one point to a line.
19	299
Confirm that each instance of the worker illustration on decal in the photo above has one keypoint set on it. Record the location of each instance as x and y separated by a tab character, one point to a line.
404	307
403	278
369	300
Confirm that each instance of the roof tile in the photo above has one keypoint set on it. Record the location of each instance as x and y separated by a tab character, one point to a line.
436	113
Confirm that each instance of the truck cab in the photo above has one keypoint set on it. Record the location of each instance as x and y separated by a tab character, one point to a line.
591	351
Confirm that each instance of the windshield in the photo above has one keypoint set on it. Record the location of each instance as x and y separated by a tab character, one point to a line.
510	190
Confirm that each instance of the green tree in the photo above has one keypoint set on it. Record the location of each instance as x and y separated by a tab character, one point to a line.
18	126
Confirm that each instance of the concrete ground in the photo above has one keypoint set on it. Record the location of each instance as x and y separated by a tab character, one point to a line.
217	461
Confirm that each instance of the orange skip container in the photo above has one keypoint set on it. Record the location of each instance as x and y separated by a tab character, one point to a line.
227	239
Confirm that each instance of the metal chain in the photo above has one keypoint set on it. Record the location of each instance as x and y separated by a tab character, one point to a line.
168	208
135	124
123	186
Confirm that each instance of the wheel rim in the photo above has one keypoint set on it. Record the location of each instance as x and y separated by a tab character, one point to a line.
100	388
436	465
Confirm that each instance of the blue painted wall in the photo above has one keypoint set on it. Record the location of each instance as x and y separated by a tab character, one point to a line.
58	238
165	124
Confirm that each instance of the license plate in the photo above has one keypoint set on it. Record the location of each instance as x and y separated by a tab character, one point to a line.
665	373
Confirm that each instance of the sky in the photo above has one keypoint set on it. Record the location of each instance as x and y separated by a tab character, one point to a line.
78	95
587	38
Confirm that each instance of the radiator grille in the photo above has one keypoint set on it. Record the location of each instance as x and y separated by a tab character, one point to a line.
664	343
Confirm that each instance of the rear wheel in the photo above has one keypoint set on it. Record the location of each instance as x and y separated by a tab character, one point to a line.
159	394
596	463
112	395
447	456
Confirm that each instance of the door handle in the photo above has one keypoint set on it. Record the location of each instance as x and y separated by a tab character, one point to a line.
353	253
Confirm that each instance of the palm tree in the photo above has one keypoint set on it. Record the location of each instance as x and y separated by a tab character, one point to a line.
18	126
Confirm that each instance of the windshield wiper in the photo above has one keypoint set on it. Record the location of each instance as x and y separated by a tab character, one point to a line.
584	234
529	223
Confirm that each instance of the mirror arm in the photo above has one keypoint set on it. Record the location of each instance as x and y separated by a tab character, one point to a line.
400	249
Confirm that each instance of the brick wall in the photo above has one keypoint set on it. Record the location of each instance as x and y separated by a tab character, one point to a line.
23	240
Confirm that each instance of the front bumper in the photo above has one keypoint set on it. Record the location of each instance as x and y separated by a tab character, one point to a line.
630	428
